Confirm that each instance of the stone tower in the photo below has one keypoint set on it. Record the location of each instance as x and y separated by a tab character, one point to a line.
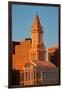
38	51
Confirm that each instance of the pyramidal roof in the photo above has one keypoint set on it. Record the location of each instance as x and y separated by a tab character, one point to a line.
36	24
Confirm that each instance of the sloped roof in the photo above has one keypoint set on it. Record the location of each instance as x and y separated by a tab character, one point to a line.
45	64
42	64
36	24
31	62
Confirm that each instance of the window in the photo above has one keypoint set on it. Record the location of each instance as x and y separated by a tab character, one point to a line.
41	56
27	75
41	77
39	38
48	75
38	76
27	65
27	71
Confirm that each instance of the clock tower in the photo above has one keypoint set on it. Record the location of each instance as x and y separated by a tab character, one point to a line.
38	50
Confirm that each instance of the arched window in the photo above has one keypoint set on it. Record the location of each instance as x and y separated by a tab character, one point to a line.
27	71
27	65
27	75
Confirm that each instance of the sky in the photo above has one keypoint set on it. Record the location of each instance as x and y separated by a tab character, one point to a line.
22	21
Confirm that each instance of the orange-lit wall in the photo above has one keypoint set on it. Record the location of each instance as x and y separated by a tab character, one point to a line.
22	55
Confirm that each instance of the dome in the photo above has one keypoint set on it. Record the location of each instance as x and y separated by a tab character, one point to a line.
45	65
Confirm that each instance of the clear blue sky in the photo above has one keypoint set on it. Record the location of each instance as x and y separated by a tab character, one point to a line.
23	17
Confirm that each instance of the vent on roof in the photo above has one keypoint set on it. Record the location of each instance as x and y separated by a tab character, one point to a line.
28	39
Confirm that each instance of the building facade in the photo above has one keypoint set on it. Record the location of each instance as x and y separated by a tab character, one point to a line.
53	56
29	58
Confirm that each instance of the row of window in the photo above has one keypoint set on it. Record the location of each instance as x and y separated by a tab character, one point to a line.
41	56
45	75
39	76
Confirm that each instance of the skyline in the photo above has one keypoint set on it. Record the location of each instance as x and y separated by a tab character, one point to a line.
22	22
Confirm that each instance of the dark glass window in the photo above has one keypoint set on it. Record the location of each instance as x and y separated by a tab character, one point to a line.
27	75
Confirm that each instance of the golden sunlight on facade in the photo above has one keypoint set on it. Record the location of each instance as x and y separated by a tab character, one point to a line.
29	57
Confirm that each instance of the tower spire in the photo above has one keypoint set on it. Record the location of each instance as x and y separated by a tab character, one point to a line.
36	25
38	50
